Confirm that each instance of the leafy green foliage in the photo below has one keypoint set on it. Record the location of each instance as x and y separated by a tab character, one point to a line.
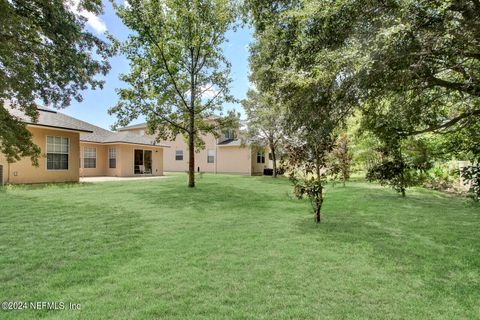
402	164
179	77
303	167
340	159
45	55
265	122
472	175
415	64
444	176
317	90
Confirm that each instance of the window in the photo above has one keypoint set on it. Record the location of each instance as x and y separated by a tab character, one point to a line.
179	155
270	156
210	156
143	161
229	134
57	153
261	157
89	158
112	158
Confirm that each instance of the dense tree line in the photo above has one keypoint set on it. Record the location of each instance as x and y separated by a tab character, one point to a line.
409	68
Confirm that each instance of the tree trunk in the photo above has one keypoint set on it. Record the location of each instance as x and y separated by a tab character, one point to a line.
191	153
274	160
318	215
319	199
191	134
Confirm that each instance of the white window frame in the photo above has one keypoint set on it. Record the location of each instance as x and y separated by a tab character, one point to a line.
210	156
229	134
46	152
84	157
261	154
112	155
176	155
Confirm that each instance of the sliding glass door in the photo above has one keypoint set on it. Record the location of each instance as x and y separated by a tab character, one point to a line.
143	161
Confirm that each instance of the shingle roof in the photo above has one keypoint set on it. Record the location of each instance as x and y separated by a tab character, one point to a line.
233	143
101	135
52	119
88	132
134	126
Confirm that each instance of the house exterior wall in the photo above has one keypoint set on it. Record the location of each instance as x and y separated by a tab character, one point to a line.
234	160
24	172
101	162
228	159
126	155
257	168
124	163
171	164
117	171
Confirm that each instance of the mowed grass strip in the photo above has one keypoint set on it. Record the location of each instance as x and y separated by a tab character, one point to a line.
237	247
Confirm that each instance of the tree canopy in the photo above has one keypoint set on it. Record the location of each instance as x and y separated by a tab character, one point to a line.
46	55
316	88
415	65
179	77
265	121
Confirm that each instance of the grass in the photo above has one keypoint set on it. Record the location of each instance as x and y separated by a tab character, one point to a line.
236	248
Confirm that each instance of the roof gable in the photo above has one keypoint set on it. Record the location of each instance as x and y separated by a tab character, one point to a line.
88	132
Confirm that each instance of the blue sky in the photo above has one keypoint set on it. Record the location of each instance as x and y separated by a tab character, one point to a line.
95	104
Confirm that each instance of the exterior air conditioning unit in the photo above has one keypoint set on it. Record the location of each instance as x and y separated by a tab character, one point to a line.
1	175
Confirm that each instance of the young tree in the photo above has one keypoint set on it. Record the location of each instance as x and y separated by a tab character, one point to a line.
315	87
340	159
318	105
179	76
265	122
403	163
45	54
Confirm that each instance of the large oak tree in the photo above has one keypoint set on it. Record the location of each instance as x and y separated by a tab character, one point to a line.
179	77
46	55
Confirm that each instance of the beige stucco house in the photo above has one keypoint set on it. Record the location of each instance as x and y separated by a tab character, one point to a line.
71	148
227	154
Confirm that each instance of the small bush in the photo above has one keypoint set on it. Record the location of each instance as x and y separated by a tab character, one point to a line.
442	177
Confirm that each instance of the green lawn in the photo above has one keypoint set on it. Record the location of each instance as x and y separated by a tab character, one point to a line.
238	247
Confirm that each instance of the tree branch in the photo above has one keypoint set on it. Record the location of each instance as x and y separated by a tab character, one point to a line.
176	125
164	60
447	124
208	104
462	87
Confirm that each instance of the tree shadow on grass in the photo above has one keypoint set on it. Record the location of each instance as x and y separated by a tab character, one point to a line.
427	236
51	247
202	197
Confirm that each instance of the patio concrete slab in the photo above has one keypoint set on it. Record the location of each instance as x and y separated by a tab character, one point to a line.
106	179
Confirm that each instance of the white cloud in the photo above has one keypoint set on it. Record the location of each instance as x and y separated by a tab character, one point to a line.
94	21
